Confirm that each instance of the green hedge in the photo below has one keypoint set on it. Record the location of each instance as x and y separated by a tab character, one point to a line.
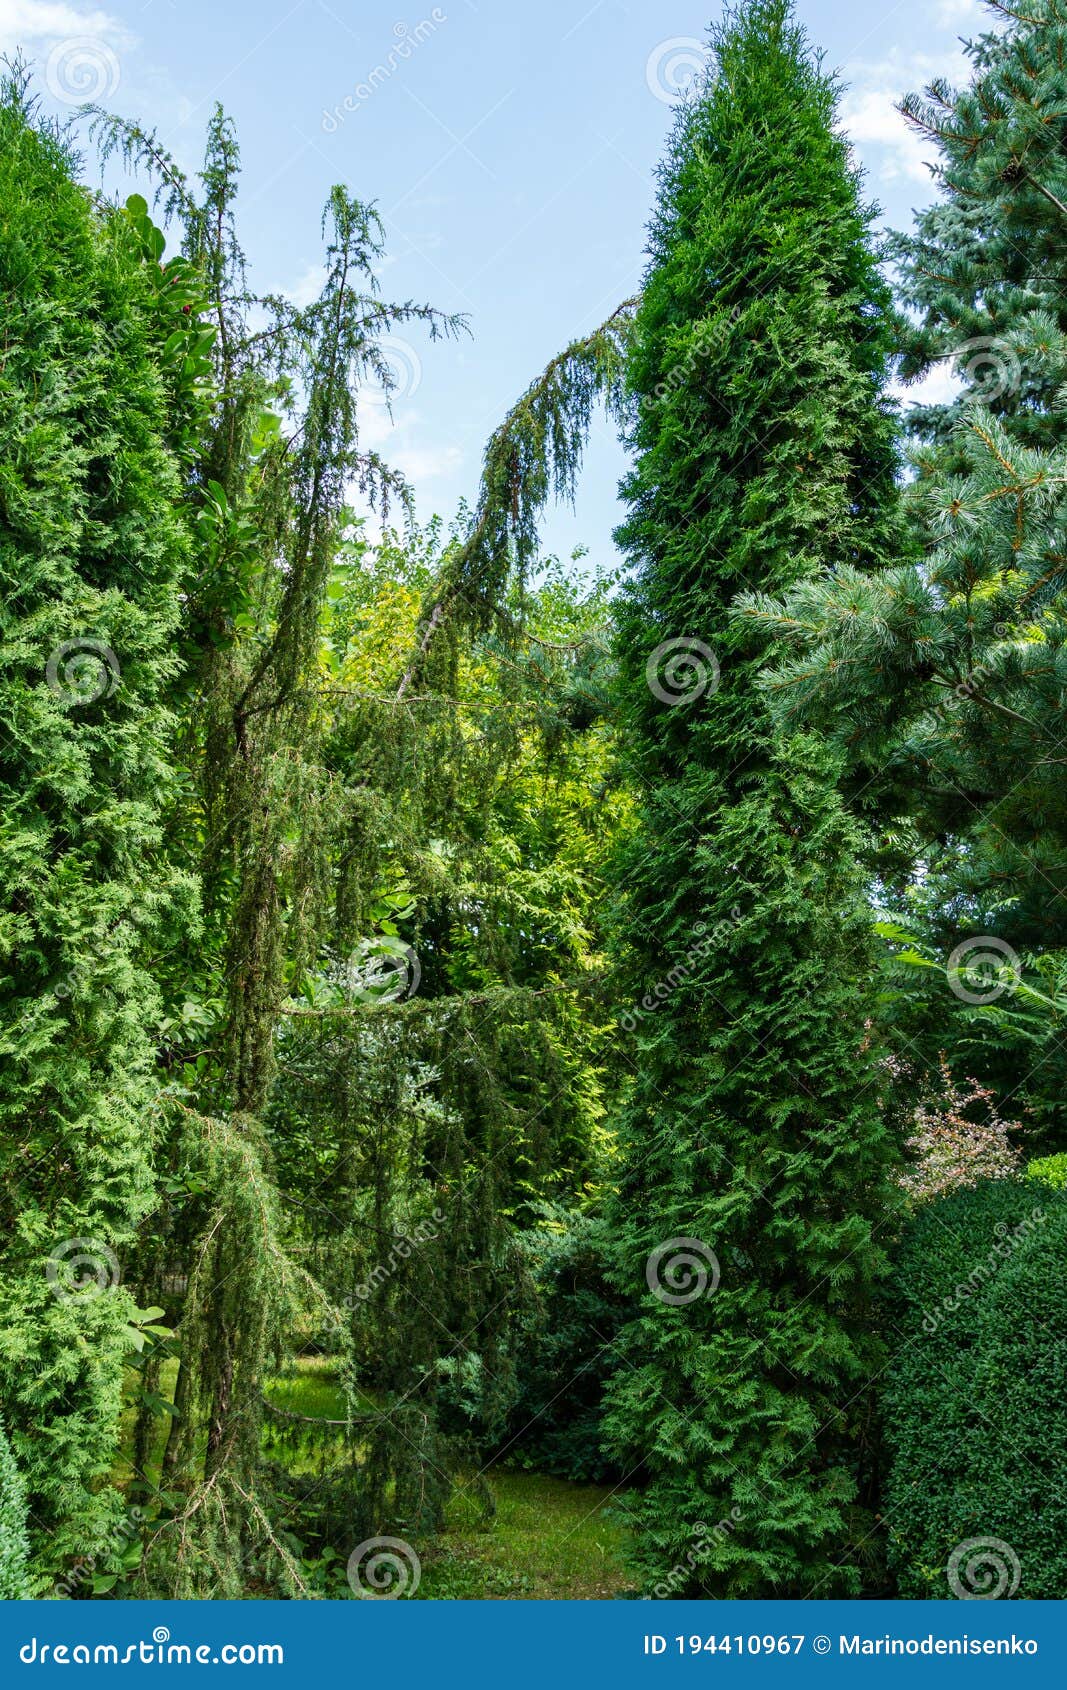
975	1399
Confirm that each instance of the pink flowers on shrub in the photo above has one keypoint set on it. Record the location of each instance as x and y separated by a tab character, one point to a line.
958	1139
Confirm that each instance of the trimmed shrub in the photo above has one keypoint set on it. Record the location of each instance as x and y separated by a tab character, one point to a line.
975	1400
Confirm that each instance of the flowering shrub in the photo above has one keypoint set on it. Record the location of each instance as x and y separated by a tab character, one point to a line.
957	1139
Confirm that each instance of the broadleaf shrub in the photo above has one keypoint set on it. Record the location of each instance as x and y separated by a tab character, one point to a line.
1050	1170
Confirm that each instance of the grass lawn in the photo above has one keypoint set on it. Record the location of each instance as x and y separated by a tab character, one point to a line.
547	1537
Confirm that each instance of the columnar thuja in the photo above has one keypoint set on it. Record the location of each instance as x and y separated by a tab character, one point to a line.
763	450
91	557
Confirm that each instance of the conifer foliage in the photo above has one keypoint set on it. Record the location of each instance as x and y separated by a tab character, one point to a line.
752	1151
948	675
90	552
14	1540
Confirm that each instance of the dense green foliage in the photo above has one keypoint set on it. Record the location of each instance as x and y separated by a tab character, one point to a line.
91	549
764	449
14	1539
942	678
473	1027
973	1398
565	1352
1049	1170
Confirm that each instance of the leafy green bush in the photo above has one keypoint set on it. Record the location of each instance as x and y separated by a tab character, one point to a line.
975	1400
1050	1170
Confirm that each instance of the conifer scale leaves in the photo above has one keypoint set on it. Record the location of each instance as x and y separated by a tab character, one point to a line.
763	452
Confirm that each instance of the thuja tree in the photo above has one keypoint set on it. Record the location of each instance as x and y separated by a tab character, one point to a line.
14	1539
752	1152
91	551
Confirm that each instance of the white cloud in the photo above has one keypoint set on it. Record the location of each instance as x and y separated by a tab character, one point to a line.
890	147
938	387
956	12
870	118
425	463
397	441
28	22
307	287
74	53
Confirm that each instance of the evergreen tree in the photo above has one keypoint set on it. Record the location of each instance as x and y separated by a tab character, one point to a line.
943	680
947	675
752	1151
90	553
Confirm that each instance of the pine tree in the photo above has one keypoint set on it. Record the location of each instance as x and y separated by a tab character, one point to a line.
752	1151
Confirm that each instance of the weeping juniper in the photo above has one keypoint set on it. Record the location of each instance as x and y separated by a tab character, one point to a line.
751	1153
416	1130
267	485
310	799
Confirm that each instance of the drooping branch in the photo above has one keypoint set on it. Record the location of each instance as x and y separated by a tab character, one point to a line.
141	149
535	454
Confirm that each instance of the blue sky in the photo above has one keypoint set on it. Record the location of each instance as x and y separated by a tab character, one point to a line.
511	150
